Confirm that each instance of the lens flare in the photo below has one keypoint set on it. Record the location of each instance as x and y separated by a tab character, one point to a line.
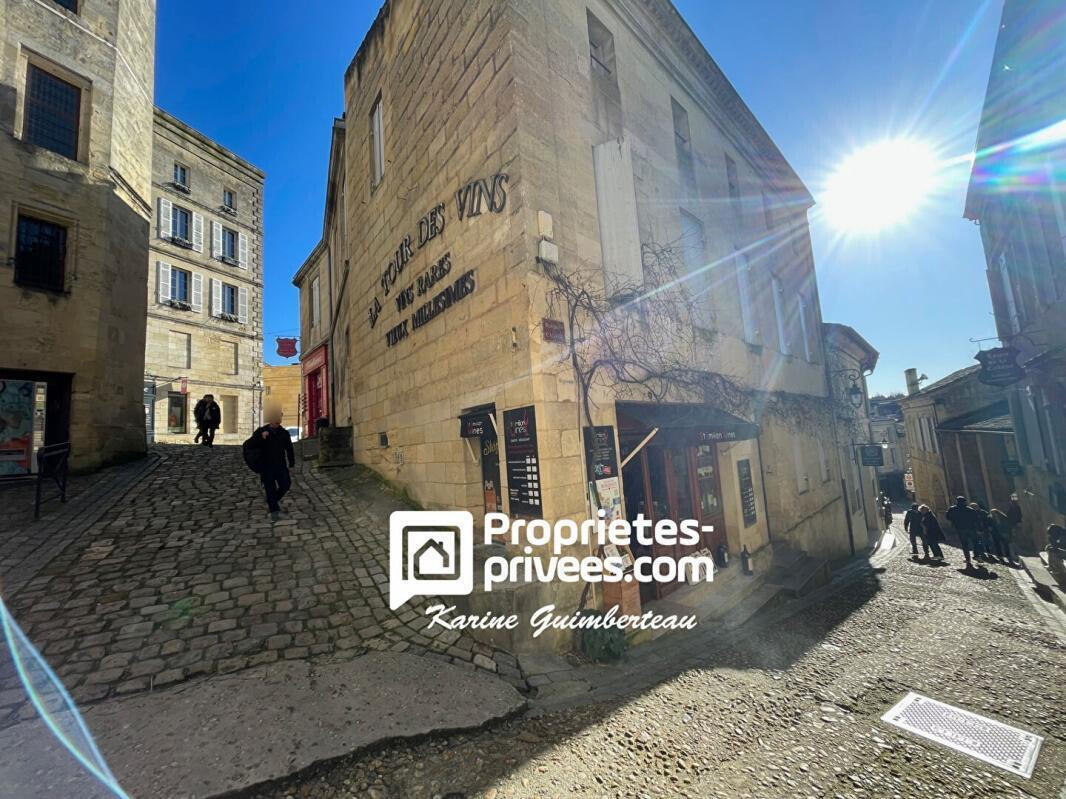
880	186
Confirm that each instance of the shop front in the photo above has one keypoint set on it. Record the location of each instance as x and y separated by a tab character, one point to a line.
672	468
34	412
315	371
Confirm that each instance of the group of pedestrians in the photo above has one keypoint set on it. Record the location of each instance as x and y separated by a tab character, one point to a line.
984	535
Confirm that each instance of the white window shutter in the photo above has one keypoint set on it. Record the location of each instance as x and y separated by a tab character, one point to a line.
166	218
242	305
242	250
164	281
197	232
216	297
197	292
216	239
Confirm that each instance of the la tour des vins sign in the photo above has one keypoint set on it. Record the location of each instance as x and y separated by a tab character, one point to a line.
473	199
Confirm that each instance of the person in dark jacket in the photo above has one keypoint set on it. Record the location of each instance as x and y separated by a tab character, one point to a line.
886	512
966	522
276	457
933	533
912	523
1000	529
983	543
208	418
1014	516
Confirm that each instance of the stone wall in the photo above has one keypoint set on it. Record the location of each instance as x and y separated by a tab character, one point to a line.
283	384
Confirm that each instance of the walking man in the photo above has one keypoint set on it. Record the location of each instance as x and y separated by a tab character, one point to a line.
275	458
886	512
966	523
208	418
933	532
912	523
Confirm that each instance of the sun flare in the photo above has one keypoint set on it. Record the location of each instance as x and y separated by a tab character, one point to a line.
879	186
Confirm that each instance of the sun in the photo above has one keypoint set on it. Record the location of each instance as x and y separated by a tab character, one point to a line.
879	186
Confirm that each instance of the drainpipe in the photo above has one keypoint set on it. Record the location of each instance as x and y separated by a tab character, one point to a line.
762	475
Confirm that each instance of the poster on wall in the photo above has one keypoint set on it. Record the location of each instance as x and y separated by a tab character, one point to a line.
610	494
600	452
16	426
523	465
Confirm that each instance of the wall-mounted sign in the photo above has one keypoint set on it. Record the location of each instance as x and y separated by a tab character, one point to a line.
738	432
553	330
601	457
908	481
475	425
523	465
1013	468
999	366
185	385
872	455
747	492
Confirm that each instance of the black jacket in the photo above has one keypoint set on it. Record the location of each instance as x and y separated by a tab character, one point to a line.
275	448
964	519
912	521
208	414
932	527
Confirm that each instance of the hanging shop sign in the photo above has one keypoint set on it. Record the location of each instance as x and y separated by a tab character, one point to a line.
999	366
473	199
523	465
553	330
287	347
475	425
872	455
601	456
747	492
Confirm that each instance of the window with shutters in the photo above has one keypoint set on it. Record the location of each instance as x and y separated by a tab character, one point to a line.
40	254
52	112
176	413
377	144
180	285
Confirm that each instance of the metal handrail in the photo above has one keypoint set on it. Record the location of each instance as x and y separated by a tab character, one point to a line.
53	461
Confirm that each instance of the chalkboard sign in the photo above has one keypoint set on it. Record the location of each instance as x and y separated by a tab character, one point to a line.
523	466
600	452
747	492
872	455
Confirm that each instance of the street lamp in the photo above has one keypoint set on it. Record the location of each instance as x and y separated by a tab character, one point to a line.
884	442
855	396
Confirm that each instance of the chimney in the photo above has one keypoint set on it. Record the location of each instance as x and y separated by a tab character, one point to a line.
912	381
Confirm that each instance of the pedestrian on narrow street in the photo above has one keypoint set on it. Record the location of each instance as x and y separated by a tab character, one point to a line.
886	512
275	457
208	418
933	533
966	523
1001	534
983	542
912	523
1014	515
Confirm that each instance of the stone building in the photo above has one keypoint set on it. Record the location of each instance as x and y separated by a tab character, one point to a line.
76	84
1017	195
962	443
886	427
851	359
282	384
205	286
493	151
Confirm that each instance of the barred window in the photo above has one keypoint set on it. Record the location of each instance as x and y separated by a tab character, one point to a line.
41	254
53	111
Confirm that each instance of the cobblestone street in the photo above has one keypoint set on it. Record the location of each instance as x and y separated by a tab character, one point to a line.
185	575
791	708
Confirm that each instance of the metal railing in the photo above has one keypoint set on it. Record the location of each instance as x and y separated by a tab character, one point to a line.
53	461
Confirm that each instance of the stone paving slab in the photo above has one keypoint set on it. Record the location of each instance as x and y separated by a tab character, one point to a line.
186	575
226	733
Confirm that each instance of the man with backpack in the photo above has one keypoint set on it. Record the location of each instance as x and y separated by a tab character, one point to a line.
208	418
269	452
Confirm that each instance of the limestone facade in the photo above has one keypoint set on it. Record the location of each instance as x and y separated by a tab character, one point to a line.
76	87
205	286
281	384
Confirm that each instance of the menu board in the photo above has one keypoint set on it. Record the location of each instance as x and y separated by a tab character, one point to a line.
747	492
600	452
523	466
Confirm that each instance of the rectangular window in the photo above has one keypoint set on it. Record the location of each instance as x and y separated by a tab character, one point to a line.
921	433
801	303
747	311
779	313
228	200
176	421
180	349
377	145
40	254
683	146
229	414
314	310
932	434
180	284
53	112
180	224
181	175
601	48
803	480
229	299
229	243
734	183
229	357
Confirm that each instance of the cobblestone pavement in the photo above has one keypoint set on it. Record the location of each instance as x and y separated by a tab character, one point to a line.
186	575
791	708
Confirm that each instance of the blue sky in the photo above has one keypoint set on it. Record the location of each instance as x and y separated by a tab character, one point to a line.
824	77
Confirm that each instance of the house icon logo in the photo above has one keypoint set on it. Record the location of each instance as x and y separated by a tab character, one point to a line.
431	553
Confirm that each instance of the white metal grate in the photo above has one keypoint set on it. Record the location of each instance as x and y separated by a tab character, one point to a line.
986	739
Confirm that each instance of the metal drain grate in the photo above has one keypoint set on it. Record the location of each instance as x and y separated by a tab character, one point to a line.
986	739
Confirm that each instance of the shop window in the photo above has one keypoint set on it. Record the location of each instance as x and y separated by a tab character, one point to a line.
40	254
52	112
176	413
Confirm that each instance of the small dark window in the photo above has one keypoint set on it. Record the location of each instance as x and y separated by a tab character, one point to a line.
180	224
41	254
181	176
601	47
383	439
228	199
229	243
70	5
53	112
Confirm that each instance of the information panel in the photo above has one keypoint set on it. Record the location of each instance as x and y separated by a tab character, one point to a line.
523	466
747	492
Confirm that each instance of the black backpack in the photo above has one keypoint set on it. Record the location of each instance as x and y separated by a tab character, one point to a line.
252	451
